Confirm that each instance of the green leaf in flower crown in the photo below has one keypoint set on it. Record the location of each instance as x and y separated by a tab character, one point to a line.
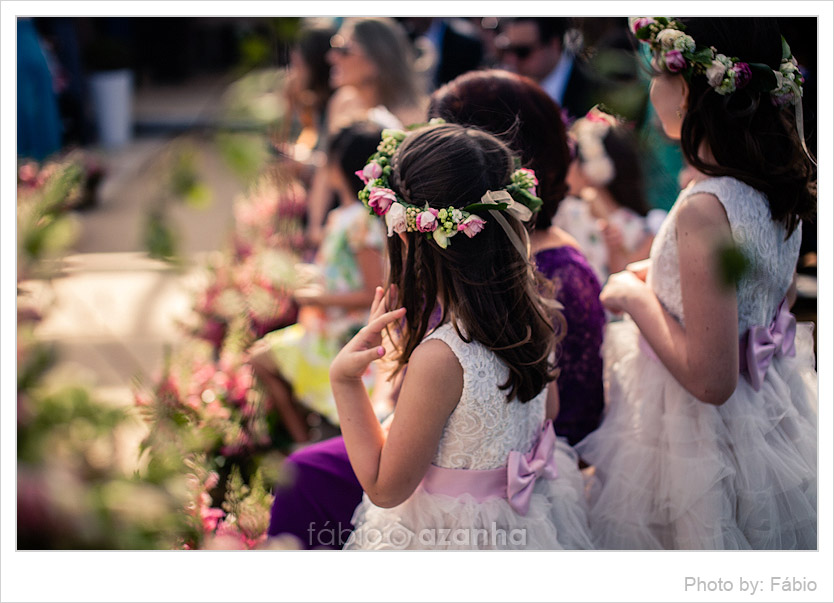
644	32
702	57
763	80
786	50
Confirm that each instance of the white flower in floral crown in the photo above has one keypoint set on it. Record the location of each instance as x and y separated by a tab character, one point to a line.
728	84
395	219
457	216
724	60
715	73
684	43
668	37
599	170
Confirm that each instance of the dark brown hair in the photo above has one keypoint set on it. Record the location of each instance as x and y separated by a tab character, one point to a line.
627	186
313	44
518	111
751	139
484	286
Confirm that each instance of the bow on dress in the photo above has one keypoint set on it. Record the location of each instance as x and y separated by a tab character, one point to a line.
763	343
524	469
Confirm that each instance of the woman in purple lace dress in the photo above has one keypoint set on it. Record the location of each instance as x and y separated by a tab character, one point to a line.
319	503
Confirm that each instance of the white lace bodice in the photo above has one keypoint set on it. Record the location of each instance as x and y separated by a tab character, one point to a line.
762	240
484	427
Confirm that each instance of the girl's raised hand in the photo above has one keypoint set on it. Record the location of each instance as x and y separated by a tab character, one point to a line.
353	360
640	269
621	289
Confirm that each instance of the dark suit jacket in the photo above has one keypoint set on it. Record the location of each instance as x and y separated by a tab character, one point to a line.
461	50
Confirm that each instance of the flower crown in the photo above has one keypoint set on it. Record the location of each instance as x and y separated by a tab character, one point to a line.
677	52
589	133
518	198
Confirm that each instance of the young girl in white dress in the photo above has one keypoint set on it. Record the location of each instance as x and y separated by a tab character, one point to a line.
709	441
470	460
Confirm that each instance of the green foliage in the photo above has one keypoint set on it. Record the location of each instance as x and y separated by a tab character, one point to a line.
733	264
160	238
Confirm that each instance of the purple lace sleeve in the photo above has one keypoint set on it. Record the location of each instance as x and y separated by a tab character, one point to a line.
580	381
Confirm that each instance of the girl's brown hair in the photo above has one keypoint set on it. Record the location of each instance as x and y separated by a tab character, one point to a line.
751	139
483	284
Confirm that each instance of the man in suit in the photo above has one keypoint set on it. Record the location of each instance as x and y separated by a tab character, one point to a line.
534	46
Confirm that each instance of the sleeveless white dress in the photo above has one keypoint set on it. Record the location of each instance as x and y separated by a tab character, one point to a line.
671	472
479	435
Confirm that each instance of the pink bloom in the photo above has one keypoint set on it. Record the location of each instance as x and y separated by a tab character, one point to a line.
210	517
640	22
675	61
427	220
743	74
472	226
370	172
381	200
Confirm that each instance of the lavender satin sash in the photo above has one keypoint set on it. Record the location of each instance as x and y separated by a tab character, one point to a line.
515	482
759	346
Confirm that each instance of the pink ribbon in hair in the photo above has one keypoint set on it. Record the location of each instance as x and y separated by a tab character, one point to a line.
763	343
524	469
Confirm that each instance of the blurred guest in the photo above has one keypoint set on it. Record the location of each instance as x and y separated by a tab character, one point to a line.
454	45
607	209
38	119
374	78
534	47
292	363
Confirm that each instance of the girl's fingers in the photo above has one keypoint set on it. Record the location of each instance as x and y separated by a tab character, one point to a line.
377	324
378	295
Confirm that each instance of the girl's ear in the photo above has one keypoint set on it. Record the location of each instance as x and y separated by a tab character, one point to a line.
403	238
685	93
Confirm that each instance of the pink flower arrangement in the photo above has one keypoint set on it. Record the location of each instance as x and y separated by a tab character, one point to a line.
381	199
675	61
370	172
472	226
640	23
427	220
743	74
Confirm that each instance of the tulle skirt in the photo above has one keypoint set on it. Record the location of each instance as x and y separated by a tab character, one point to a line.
671	472
556	519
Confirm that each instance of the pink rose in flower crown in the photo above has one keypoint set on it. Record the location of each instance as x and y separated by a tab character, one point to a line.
640	23
743	74
472	226
370	172
427	220
381	199
675	61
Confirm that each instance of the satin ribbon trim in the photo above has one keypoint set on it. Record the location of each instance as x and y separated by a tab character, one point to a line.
515	482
